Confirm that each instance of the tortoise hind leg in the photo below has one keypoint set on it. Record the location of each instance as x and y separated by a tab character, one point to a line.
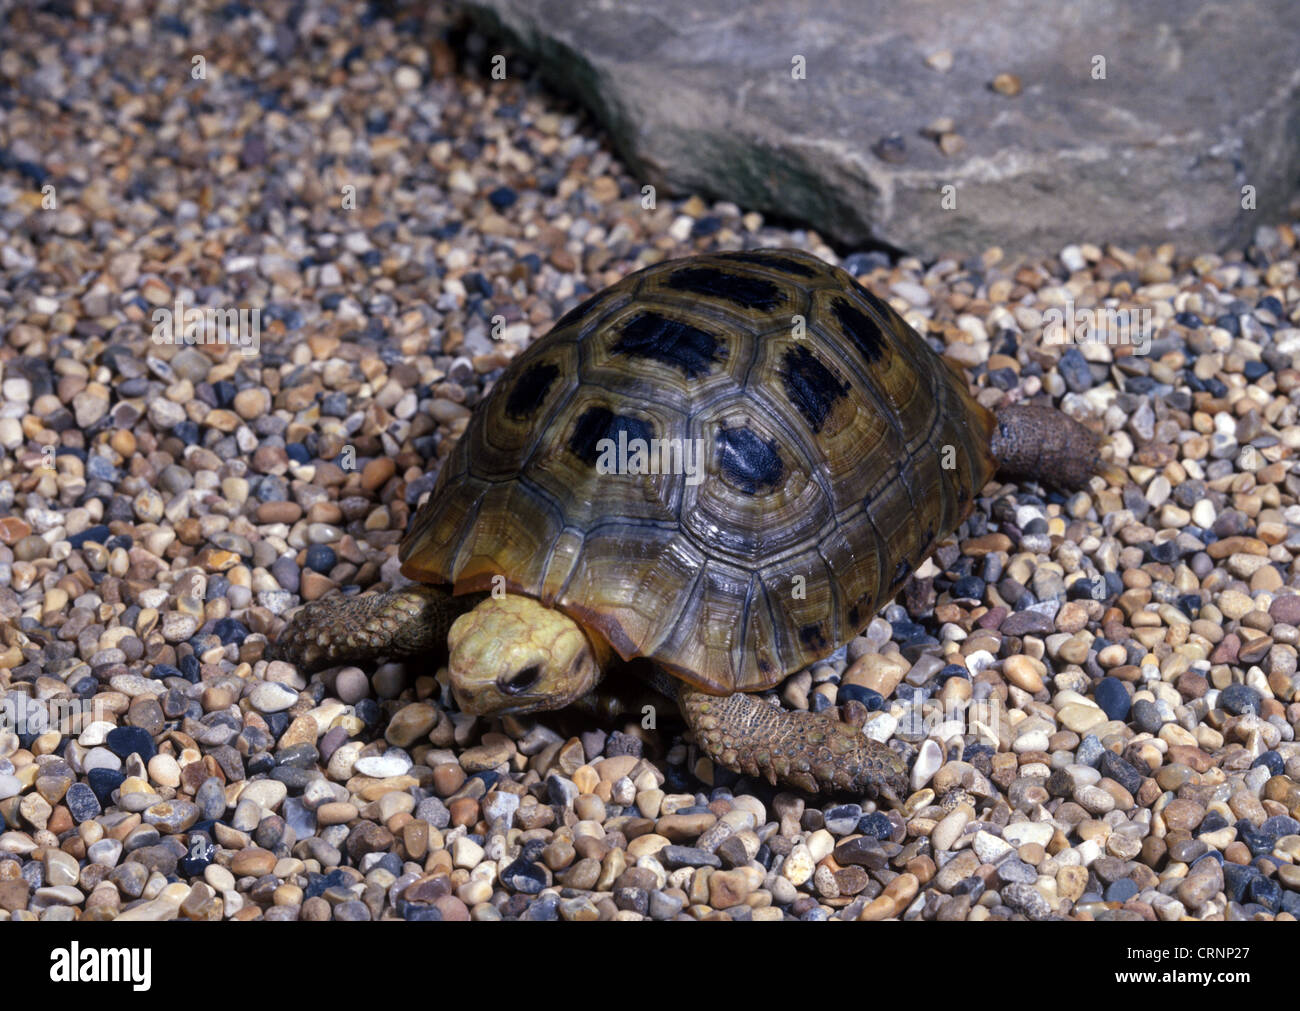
401	623
810	751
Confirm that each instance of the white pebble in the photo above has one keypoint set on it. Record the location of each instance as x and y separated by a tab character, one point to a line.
989	848
928	761
1021	832
466	853
269	697
383	766
799	865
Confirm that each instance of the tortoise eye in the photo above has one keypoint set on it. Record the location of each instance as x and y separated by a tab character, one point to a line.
521	681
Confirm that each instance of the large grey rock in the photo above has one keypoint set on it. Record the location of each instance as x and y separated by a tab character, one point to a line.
1199	99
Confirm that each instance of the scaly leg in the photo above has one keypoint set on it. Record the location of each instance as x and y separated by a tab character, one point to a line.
810	751
401	623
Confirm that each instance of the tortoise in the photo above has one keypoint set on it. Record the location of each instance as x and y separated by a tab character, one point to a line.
722	464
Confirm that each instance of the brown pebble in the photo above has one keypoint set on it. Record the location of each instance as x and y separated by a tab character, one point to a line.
12	530
1183	814
367	837
987	544
452	909
684	827
1193	758
922	868
279	512
464	811
1237	852
252	862
1153	852
415	838
448	777
377	473
313	585
1007	84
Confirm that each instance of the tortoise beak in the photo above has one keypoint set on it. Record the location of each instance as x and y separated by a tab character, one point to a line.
484	702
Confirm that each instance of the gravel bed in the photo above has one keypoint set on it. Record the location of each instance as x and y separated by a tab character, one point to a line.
1116	668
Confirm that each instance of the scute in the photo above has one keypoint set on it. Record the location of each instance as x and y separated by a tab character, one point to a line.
692	475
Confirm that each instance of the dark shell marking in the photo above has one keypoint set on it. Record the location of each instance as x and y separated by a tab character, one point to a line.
750	462
810	385
685	347
774	260
530	390
746	292
599	423
865	333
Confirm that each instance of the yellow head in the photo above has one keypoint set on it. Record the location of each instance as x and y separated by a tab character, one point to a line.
511	654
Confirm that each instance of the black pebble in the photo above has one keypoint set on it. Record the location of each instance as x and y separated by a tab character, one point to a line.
190	668
96	534
317	884
277	724
869	697
1270	303
229	630
83	804
525	878
123	741
1113	698
1239	699
543	910
706	225
1265	891
1073	368
1145	716
1236	879
294	779
367	711
104	782
1230	323
299	756
1280	825
1166	552
1260	843
1212	822
1120	771
1272	761
502	197
876	826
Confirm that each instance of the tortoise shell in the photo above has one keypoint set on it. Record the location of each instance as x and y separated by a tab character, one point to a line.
837	450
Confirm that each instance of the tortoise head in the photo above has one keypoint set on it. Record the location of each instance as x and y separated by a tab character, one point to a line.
510	654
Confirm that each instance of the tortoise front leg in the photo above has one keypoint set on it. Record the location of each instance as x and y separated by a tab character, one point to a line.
401	623
810	751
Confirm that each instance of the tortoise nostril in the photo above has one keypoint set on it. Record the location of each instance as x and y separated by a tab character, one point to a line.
521	681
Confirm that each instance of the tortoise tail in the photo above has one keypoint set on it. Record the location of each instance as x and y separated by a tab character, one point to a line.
1042	444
